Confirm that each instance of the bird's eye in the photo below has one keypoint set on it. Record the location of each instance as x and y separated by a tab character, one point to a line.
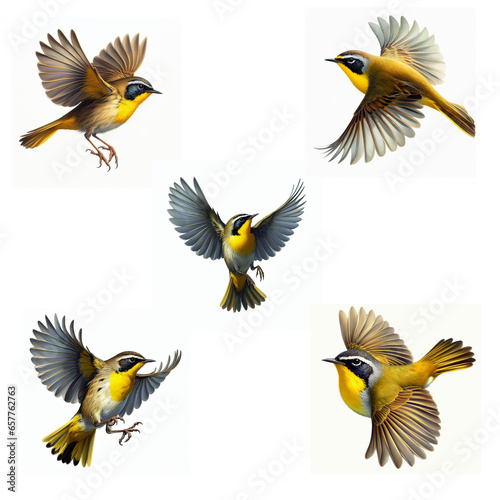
350	60
356	362
141	86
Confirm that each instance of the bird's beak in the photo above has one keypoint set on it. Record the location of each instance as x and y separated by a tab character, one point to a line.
148	360
154	91
253	216
334	60
333	360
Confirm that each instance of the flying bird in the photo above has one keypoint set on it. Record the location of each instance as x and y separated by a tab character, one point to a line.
106	390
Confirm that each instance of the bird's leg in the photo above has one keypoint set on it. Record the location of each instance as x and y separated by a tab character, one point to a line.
98	153
125	432
111	149
258	271
111	421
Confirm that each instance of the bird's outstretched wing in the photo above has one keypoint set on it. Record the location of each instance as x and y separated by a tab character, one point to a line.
272	232
145	385
372	334
63	364
121	59
413	46
67	75
196	220
405	427
379	122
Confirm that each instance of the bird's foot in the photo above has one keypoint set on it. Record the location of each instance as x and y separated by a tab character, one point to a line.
111	421
250	281
112	153
258	271
128	432
101	158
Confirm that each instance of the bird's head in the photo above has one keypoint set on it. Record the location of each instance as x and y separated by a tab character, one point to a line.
354	64
240	224
353	60
135	88
128	362
355	366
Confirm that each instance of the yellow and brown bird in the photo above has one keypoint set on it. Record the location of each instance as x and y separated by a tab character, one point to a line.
106	390
237	241
105	92
396	85
378	379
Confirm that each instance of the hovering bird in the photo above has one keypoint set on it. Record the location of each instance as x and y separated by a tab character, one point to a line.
378	379
105	92
396	85
106	390
237	241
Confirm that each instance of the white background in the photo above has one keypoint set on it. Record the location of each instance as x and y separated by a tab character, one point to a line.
241	394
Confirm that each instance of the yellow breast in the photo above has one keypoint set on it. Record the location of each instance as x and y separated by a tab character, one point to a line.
127	108
359	81
121	384
244	242
351	388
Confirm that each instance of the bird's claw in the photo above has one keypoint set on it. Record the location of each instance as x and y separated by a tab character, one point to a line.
259	272
114	420
112	154
101	158
128	433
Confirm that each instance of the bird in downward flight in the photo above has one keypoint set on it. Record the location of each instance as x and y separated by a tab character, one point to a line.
379	379
396	85
105	92
237	241
106	390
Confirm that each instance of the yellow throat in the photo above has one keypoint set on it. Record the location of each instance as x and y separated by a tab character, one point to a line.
127	107
122	383
244	242
359	81
350	387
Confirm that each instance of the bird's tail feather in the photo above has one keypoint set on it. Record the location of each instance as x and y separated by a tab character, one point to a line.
459	116
248	296
71	443
448	356
35	138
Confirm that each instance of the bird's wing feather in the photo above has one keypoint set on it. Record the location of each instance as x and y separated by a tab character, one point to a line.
404	427
379	122
372	334
63	364
121	59
413	46
67	75
196	220
145	385
272	232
